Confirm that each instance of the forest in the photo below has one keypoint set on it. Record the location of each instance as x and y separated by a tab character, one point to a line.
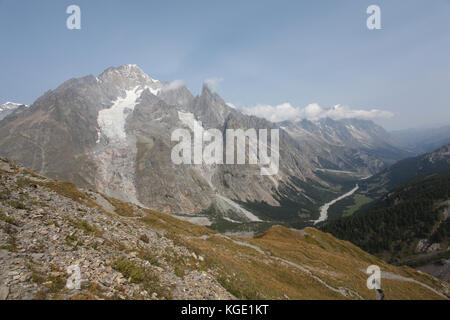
391	226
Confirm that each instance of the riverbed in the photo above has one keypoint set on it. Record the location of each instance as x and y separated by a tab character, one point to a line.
324	209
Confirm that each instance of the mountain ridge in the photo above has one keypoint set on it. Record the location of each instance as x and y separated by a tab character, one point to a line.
67	135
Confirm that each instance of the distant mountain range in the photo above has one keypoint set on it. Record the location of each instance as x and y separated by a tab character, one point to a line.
349	144
112	133
407	169
422	140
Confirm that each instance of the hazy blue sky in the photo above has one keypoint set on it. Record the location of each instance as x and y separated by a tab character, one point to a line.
266	52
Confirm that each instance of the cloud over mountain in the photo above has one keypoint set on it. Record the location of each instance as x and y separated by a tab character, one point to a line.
213	83
176	84
313	111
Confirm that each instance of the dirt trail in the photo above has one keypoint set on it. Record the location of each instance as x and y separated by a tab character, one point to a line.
346	292
393	276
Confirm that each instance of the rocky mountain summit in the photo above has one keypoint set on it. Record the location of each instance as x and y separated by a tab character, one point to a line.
112	133
125	251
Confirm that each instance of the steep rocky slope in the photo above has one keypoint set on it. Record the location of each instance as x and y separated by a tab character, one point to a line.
127	252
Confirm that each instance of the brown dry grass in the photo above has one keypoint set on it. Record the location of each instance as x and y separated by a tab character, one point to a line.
249	274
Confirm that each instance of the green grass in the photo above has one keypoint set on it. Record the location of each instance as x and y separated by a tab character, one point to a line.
9	220
121	208
85	226
130	270
67	189
17	205
5	194
11	246
359	200
148	256
140	275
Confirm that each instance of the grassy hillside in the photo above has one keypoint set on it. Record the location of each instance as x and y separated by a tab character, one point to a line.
151	255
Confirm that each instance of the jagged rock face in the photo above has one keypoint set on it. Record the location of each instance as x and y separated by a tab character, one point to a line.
113	133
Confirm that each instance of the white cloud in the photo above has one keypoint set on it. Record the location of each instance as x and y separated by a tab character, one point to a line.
313	111
339	112
278	113
213	83
231	105
174	85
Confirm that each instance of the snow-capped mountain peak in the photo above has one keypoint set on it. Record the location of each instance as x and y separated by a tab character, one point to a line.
128	77
134	70
9	106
